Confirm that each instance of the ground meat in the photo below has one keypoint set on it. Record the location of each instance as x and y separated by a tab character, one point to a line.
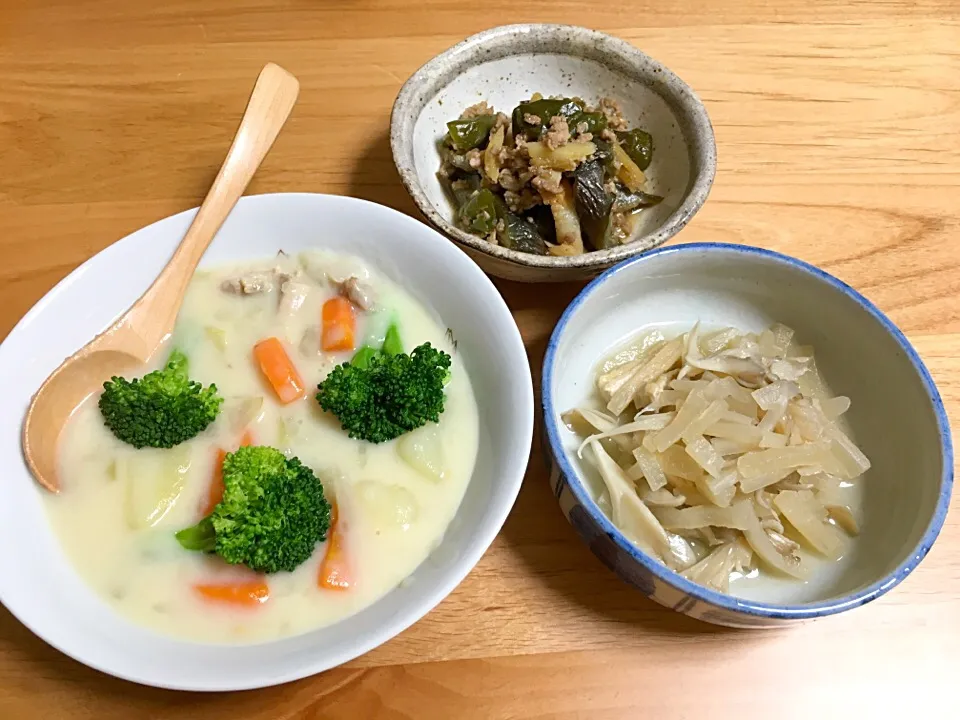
474	159
610	187
608	135
582	128
547	181
613	112
585	137
519	202
558	134
481	108
508	180
531	119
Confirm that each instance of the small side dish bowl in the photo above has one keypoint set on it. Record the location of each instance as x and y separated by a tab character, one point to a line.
508	64
39	585
896	417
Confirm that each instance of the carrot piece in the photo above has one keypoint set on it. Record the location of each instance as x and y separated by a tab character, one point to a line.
339	325
334	569
244	594
215	493
280	372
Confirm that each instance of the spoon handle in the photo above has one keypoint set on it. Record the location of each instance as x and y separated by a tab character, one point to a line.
269	107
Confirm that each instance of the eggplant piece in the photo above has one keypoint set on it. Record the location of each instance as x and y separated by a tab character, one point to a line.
594	205
469	134
479	213
638	144
627	200
542	217
544	110
604	154
517	233
596	122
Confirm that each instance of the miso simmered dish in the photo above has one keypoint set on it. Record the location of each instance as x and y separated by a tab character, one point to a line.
557	177
298	451
724	455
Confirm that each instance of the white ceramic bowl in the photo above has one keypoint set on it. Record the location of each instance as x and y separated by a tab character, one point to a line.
37	583
896	417
507	64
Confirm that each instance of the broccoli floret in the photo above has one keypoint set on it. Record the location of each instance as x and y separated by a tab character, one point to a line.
162	409
390	395
272	515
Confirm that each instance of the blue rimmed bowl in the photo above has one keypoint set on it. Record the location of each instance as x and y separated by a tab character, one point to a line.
896	417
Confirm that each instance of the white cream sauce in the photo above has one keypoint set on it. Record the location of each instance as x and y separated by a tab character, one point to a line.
120	507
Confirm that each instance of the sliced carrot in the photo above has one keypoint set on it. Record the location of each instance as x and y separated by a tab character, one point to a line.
334	569
278	369
244	594
215	493
339	325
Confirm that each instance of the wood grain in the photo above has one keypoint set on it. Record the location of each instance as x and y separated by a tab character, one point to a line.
837	127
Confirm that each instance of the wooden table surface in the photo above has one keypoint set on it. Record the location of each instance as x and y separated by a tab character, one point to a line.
837	130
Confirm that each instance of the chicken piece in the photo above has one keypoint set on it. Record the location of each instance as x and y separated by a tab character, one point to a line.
251	283
356	292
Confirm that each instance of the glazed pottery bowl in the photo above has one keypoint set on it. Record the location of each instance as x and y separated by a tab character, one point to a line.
896	418
508	64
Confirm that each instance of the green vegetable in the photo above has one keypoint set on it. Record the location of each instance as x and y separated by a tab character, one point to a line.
162	409
596	122
272	515
604	154
468	134
544	110
516	233
391	396
363	356
542	217
638	145
626	201
463	188
593	205
479	213
392	344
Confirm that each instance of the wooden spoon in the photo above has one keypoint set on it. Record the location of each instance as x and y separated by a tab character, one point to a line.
130	342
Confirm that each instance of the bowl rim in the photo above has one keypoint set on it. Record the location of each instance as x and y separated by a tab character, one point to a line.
402	124
324	659
661	571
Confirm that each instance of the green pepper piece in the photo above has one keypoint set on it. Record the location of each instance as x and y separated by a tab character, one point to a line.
638	145
517	233
479	214
544	110
468	134
392	345
463	187
627	201
596	122
363	356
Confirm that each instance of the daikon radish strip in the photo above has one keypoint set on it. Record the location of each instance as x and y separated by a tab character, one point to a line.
809	517
717	341
594	418
675	461
719	490
833	408
848	453
714	570
772	417
690	410
723	446
773	440
662	497
763	547
746	434
708	417
652	472
693	518
705	456
661	361
772	460
780	392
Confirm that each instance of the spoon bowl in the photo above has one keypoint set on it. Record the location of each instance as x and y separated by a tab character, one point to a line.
132	340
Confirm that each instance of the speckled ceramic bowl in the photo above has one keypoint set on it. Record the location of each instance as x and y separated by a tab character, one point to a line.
506	65
896	417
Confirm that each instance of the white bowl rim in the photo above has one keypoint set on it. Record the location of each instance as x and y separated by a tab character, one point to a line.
661	571
466	562
696	193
